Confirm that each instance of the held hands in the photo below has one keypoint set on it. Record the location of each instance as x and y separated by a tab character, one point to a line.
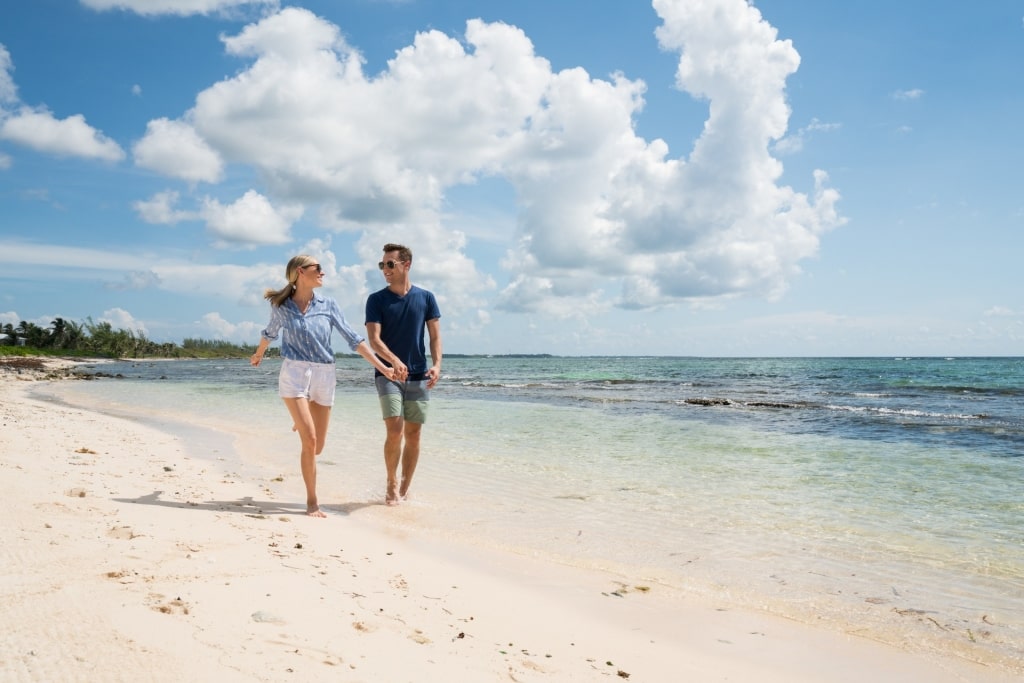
400	371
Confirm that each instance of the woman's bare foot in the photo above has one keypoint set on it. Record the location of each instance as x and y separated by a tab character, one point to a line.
391	497
313	510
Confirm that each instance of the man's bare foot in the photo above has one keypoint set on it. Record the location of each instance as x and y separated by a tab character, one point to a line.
313	510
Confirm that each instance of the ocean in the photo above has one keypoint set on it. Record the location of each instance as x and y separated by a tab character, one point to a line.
879	496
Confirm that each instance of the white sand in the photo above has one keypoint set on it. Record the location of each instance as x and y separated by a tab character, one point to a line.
124	559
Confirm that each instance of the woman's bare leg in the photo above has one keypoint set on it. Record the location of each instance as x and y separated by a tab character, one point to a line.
321	421
304	424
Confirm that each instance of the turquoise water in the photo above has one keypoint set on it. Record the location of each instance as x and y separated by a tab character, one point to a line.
879	495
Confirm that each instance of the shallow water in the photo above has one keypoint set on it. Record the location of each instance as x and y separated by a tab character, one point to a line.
880	495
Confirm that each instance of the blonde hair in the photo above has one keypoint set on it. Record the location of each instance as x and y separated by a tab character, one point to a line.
291	272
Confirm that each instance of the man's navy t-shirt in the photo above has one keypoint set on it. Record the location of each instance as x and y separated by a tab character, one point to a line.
402	321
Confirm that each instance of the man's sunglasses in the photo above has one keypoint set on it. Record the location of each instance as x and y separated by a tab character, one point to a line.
390	265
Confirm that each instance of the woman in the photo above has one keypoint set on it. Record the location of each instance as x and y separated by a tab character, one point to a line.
307	378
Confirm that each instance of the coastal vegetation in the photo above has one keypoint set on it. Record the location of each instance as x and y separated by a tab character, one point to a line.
91	339
100	340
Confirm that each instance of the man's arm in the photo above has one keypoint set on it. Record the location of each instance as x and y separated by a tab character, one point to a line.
382	350
434	330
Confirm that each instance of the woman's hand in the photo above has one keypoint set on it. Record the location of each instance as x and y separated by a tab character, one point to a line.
254	359
400	370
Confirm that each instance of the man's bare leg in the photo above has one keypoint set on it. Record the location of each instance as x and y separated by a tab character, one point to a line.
410	456
392	456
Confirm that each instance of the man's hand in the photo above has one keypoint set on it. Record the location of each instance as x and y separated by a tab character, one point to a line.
401	371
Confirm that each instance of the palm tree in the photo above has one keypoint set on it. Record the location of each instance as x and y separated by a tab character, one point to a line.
58	331
74	335
34	335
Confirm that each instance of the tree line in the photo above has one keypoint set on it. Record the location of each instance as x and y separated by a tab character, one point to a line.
100	339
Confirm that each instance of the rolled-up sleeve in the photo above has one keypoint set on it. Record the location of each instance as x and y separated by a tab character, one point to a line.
352	338
273	328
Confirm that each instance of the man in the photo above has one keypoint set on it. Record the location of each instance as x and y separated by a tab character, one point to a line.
396	318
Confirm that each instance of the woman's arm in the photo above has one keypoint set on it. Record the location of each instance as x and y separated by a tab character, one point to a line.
257	357
268	335
363	349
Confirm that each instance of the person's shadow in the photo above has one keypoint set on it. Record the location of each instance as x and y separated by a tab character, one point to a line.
246	505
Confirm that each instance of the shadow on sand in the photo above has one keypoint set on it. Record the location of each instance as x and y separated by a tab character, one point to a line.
247	506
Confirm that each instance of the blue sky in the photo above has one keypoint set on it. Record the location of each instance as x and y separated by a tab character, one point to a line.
682	177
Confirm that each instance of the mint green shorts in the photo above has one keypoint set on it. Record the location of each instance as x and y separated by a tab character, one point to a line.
408	400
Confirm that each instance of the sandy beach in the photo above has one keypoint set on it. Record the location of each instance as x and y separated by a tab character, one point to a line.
124	557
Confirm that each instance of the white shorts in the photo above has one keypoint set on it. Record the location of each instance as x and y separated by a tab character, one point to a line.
312	381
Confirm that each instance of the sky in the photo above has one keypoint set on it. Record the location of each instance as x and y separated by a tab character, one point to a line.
676	177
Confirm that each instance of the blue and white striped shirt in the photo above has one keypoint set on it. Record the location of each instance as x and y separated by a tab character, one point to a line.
308	337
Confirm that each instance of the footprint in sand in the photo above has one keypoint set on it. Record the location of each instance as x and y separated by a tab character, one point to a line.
266	618
176	606
418	637
122	576
123	532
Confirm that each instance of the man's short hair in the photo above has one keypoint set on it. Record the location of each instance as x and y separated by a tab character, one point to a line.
404	252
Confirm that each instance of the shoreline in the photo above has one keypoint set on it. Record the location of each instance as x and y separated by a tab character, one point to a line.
132	559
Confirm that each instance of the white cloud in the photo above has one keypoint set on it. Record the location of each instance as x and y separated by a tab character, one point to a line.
136	280
174	149
8	90
242	285
602	210
245	332
60	259
912	94
794	143
174	7
121	319
670	230
5	162
250	220
160	209
40	130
